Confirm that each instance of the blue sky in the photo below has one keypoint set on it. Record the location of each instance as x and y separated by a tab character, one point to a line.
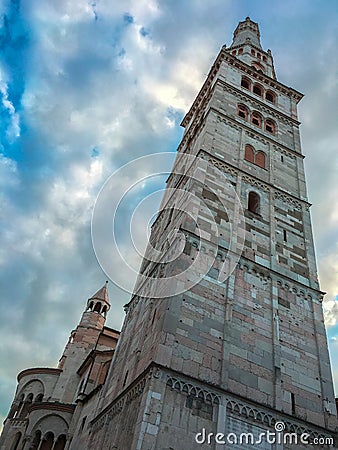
87	86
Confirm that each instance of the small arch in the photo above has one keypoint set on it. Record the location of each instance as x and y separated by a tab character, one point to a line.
38	398
258	90
240	51
104	311
97	307
253	202
260	159
90	306
246	83
36	440
264	58
60	443
249	154
233	53
258	67
270	126
256	119
16	441
258	55
47	441
253	52
242	111
270	96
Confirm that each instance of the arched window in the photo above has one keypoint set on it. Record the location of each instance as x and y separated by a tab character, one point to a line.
233	52
253	52
47	441
16	441
246	83
104	311
240	51
97	307
264	58
26	405
257	89
39	398
257	67
90	307
60	443
270	126
260	159
253	202
270	97
36	440
256	119
242	111
249	154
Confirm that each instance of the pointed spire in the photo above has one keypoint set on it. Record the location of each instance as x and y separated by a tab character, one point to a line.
247	31
101	294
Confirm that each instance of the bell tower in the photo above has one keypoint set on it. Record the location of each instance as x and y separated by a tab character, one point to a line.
215	352
81	342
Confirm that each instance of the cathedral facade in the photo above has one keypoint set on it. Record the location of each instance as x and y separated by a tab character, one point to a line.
223	343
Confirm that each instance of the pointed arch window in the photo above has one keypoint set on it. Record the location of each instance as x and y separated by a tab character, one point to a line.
246	83
260	159
270	126
256	119
242	111
253	202
249	154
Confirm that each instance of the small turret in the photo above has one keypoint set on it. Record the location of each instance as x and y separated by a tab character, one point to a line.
246	46
84	337
97	307
247	31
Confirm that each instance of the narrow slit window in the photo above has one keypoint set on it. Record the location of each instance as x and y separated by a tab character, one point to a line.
285	236
293	404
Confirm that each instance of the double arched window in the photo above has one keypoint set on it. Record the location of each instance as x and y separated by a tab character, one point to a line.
258	158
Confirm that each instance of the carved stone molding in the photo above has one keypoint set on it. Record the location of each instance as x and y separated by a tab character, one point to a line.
251	413
127	397
288	199
285	152
192	389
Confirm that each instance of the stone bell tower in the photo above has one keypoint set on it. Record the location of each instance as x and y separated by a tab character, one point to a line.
214	349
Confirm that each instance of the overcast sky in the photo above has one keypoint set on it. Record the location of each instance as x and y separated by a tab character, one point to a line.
86	86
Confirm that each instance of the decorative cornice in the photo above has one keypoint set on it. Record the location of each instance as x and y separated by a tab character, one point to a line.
38	371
